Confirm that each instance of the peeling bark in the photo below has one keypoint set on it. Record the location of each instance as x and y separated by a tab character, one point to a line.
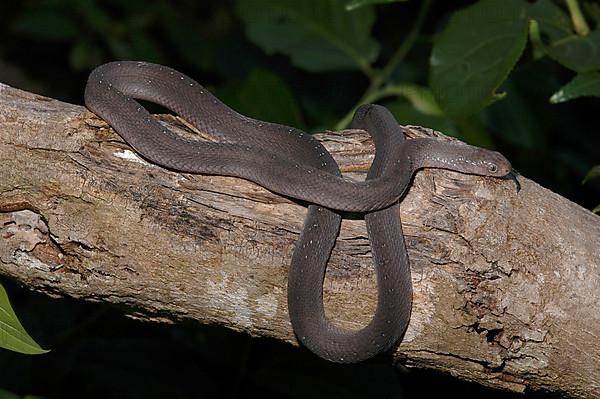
506	285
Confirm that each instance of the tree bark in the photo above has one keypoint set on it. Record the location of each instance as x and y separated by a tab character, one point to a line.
506	284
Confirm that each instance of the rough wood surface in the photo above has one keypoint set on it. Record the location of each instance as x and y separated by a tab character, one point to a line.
506	285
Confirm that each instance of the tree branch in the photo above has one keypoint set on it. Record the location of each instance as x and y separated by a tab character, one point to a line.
506	285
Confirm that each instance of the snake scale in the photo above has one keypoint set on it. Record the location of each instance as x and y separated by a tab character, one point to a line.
291	162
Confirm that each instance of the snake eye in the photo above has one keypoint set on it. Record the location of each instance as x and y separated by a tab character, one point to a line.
493	168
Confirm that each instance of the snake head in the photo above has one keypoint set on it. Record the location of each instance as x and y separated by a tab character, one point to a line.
459	157
490	163
495	164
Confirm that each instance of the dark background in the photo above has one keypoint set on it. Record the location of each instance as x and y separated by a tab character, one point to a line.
49	47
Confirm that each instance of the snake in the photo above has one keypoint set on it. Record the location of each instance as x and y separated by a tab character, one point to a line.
294	164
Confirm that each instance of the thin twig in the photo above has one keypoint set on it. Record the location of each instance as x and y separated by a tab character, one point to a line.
579	23
378	79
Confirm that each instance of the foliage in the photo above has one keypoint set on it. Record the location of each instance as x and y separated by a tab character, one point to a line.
12	334
468	64
584	84
317	35
475	53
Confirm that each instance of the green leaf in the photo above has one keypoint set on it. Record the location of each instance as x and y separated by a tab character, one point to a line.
596	209
354	4
512	119
584	84
318	35
475	53
47	24
556	37
12	334
265	96
594	172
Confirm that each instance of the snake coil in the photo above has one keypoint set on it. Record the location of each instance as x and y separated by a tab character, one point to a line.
291	162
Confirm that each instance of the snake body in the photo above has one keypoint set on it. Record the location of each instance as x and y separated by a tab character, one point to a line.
291	162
